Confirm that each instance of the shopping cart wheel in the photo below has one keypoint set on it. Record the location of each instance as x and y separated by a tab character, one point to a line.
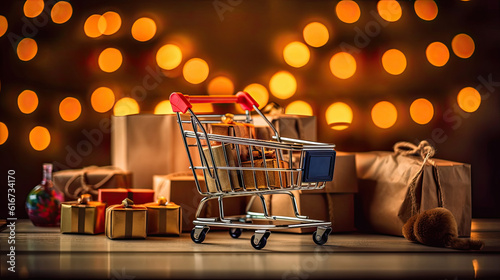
198	234
235	232
259	239
320	236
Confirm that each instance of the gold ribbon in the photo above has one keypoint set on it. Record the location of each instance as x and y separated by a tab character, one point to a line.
84	186
425	151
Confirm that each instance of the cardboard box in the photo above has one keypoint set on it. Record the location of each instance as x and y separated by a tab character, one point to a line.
126	222
344	175
164	218
82	218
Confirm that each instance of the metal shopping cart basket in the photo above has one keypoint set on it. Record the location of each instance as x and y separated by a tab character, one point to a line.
268	167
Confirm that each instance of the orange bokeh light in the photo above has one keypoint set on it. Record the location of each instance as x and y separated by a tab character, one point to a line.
343	65
339	116
94	26
27	101
348	11
469	99
437	54
4	133
39	138
4	24
169	56
109	23
463	45
102	99
390	10
283	85
384	114
316	34
27	49
70	109
220	86
33	8
421	111
195	70
259	93
126	106
61	12
296	54
110	60
426	9
394	61
143	29
299	107
163	108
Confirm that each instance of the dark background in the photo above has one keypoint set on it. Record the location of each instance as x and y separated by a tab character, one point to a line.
242	45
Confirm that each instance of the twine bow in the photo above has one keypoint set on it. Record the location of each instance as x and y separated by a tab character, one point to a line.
425	151
85	187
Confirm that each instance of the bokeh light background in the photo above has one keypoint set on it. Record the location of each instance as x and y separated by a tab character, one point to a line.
372	72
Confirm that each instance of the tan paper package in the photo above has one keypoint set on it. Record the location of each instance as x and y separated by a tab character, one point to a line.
227	178
126	221
394	186
83	216
164	218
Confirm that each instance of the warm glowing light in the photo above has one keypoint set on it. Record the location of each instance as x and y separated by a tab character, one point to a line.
169	56
4	24
39	138
437	54
384	114
126	106
283	85
61	12
348	11
394	62
163	108
27	49
475	267
343	65
195	70
469	99
390	10
259	93
70	109
426	9
421	111
94	26
203	108
463	45
220	86
316	34
296	54
143	29
110	60
339	116
299	107
102	99
4	133
110	23
27	101
32	8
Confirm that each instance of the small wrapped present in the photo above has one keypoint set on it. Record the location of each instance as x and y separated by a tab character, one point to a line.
393	186
83	216
164	218
237	129
116	196
261	177
75	182
223	158
126	220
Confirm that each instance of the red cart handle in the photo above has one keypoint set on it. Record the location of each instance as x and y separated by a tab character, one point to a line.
181	102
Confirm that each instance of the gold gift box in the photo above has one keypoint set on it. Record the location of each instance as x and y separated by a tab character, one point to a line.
126	221
83	216
164	218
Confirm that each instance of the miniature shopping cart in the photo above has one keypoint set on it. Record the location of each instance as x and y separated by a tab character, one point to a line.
236	166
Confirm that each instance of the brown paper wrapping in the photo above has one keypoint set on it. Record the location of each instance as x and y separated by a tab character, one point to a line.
260	176
126	223
82	218
291	126
243	130
384	197
226	177
147	145
75	182
164	219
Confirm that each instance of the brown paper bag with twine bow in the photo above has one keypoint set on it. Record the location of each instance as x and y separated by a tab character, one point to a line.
395	186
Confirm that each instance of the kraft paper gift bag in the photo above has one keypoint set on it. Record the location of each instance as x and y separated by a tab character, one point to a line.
147	145
395	186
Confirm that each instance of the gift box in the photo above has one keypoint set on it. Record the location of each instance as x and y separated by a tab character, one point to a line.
75	182
261	177
181	188
83	216
126	221
393	186
227	178
164	218
291	126
148	144
115	196
235	129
